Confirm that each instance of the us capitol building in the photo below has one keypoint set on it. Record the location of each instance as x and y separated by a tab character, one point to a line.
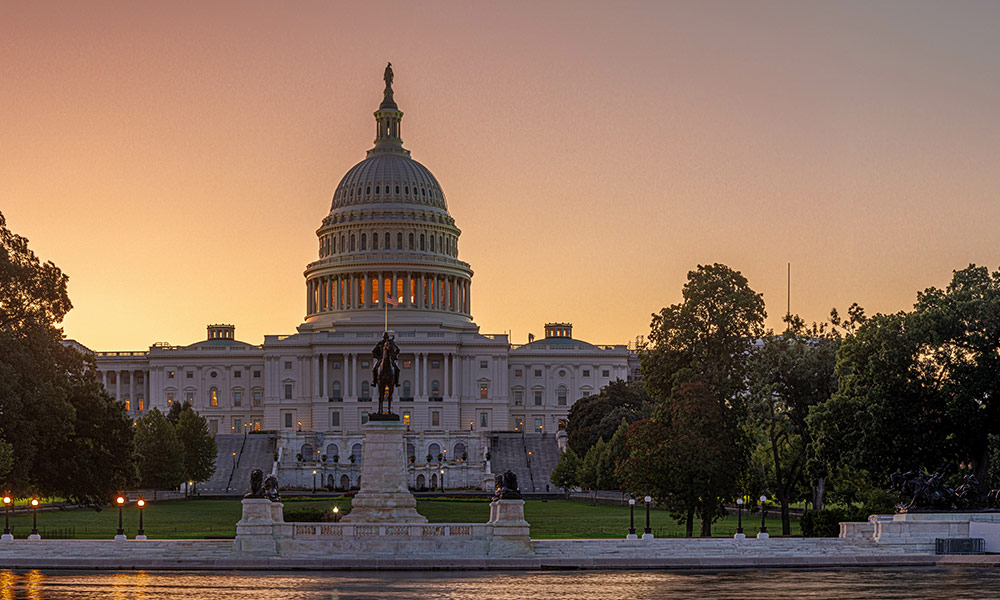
387	246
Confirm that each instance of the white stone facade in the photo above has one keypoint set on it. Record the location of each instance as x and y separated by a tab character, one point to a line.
388	239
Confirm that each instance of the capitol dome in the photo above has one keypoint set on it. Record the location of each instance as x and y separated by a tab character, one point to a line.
388	239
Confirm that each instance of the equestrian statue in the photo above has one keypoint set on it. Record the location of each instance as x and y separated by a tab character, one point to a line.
385	372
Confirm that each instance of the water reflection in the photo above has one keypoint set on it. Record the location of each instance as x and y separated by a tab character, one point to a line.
882	584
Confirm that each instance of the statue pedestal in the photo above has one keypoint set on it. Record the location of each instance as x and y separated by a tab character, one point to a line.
255	532
511	533
384	496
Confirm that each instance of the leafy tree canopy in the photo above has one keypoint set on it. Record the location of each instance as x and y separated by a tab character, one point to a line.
599	416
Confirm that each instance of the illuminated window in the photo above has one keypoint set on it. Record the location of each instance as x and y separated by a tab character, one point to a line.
407	364
170	374
213	397
170	398
406	421
142	404
517	372
128	404
484	391
257	397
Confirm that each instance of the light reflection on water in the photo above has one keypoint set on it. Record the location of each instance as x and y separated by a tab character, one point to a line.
876	584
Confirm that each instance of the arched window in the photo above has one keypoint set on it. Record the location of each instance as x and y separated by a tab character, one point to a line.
331	451
432	243
356	452
406	190
128	404
434	481
397	189
333	240
376	190
336	389
374	241
341	243
423	192
406	389
459	451
440	244
399	241
435	388
213	396
561	396
345	482
421	482
365	390
307	451
411	451
386	245
368	190
364	242
422	242
411	247
352	242
434	450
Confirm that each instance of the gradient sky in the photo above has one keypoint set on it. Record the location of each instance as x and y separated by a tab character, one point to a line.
175	159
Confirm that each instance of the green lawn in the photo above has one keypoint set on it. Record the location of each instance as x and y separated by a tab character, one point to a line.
201	518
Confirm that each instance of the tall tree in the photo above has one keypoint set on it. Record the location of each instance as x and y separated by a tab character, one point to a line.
159	454
789	374
588	475
65	434
598	416
198	443
707	337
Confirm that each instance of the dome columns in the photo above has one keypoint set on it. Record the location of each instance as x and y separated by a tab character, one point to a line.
420	290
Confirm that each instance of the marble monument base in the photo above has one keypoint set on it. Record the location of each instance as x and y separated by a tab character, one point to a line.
384	496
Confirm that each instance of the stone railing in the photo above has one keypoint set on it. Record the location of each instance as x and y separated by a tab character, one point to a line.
464	531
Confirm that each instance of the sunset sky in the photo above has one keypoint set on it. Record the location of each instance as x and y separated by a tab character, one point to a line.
175	159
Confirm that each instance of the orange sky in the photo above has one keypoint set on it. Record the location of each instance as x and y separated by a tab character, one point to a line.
175	159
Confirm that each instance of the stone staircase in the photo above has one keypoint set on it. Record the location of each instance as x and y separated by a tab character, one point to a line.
510	452
232	474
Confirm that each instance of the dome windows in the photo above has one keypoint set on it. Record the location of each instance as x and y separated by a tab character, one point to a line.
374	241
387	240
368	190
432	243
364	242
422	248
399	241
397	189
411	241
376	190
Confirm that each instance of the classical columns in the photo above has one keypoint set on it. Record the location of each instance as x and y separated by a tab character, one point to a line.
444	382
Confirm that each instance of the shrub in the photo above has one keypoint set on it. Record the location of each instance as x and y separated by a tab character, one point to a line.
826	522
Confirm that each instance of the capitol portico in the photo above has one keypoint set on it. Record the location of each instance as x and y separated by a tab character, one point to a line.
388	252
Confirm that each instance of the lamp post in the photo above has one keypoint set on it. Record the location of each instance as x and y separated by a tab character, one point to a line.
648	533
34	520
314	481
631	520
762	535
141	535
336	514
120	536
7	502
442	481
739	523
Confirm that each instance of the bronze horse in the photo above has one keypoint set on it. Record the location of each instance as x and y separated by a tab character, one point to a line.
386	383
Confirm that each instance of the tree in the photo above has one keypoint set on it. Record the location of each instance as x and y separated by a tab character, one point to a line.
176	408
707	337
62	432
564	473
159	454
608	475
588	474
598	416
199	445
789	374
687	457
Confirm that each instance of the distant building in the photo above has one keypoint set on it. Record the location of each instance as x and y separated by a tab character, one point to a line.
388	237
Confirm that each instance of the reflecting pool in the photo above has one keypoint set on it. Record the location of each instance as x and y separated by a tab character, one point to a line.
873	584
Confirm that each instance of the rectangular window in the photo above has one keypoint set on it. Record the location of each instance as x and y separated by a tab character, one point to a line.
538	397
406	418
483	364
237	374
538	424
257	397
586	372
518	423
561	398
213	398
334	419
517	372
288	364
288	420
484	391
605	373
364	418
484	419
170	374
256	374
365	365
213	426
288	391
407	364
189	374
336	364
189	398
237	425
435	419
518	397
435	364
538	372
142	404
170	398
139	377
237	398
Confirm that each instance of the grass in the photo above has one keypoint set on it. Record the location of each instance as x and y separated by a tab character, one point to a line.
201	518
